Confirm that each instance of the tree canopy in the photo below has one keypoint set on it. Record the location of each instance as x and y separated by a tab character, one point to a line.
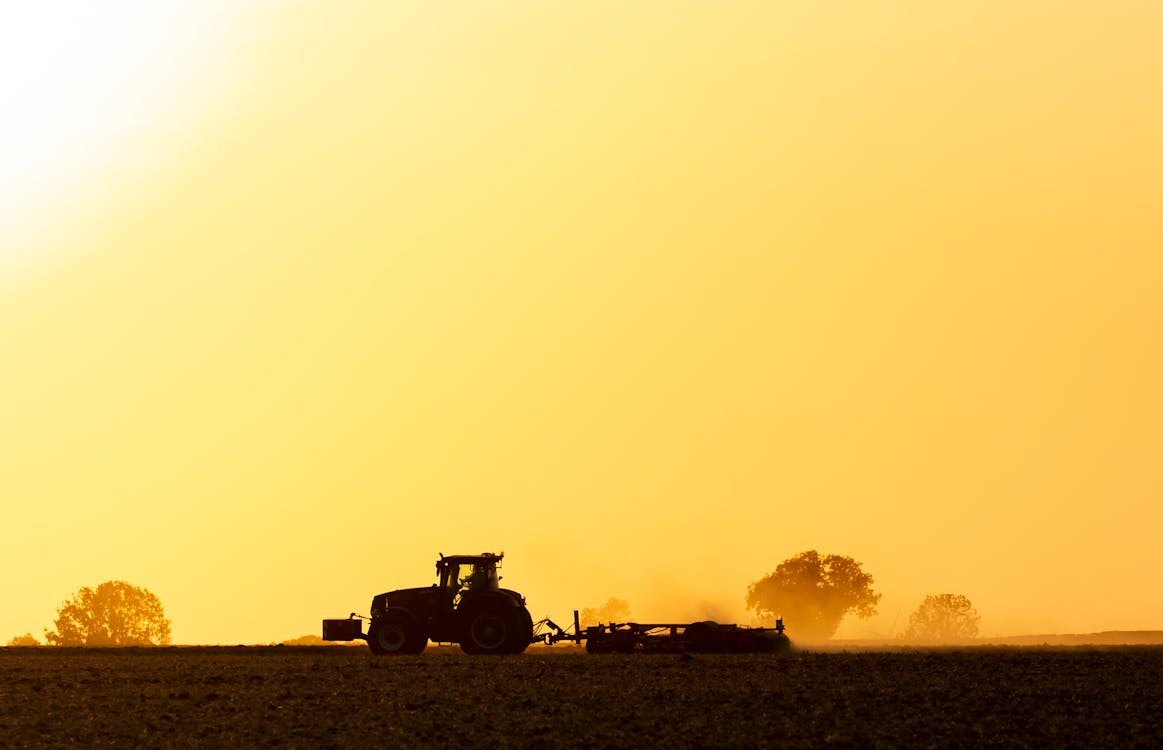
116	613
943	617
813	594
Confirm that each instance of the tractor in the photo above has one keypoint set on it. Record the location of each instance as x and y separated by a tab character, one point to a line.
466	606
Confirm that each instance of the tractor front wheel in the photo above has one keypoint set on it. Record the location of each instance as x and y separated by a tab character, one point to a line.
396	633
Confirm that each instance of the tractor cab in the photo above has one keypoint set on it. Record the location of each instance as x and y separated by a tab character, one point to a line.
460	574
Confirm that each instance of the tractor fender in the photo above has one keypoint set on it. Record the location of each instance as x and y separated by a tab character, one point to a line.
499	599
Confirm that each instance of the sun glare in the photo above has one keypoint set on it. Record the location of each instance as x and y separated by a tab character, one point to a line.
88	87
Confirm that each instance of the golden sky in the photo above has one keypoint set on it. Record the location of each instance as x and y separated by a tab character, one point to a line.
651	296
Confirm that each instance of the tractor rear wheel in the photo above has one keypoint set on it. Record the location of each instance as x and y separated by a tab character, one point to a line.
396	633
521	635
490	630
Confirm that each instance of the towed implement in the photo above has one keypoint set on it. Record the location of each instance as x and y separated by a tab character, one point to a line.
703	637
468	607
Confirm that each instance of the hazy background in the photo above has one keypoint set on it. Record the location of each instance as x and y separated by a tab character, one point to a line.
650	296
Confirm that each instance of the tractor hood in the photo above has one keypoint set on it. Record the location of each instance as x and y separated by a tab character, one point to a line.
406	598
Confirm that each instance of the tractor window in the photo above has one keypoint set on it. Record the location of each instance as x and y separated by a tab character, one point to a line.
478	576
449	578
457	575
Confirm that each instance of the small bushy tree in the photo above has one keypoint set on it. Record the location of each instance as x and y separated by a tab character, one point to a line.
114	614
24	640
813	594
943	618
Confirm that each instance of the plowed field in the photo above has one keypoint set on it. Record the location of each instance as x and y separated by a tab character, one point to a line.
344	697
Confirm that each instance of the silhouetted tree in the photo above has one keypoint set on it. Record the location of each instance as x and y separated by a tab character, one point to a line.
943	617
813	594
614	610
114	614
24	640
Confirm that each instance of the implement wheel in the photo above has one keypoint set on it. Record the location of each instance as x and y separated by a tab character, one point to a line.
396	633
616	642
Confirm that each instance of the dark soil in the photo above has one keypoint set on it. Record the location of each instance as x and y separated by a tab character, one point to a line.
345	697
